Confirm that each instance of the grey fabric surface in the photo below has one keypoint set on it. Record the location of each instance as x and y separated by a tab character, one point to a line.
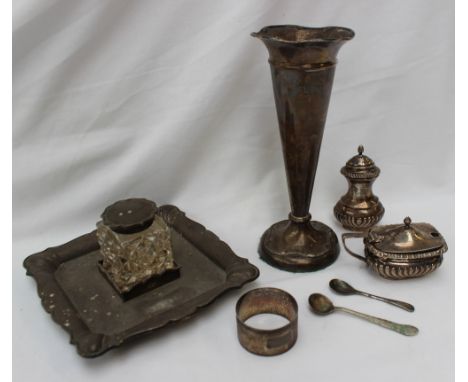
173	101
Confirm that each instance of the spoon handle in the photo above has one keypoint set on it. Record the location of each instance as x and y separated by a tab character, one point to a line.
406	330
400	304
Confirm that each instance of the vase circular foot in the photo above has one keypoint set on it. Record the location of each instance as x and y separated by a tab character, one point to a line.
299	247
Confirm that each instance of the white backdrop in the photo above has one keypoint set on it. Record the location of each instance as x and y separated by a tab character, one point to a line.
172	101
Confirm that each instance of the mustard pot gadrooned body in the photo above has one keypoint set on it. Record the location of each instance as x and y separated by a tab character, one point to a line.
401	251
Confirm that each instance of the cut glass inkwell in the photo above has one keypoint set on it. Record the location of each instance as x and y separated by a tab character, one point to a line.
136	247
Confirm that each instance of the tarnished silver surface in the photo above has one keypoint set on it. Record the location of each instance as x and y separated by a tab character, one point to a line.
401	251
262	341
322	305
359	208
82	301
302	63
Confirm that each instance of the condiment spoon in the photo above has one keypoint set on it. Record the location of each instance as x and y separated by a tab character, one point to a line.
322	305
343	287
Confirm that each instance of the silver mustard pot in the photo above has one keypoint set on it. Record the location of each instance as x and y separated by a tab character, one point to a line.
401	251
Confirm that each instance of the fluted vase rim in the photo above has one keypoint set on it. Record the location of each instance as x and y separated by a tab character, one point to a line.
296	34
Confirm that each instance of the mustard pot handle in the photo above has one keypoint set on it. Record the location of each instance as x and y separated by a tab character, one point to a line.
353	235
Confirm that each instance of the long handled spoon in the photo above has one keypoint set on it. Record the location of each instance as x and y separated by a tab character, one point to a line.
322	305
343	287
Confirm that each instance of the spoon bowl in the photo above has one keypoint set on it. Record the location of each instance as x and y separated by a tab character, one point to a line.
321	304
342	287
